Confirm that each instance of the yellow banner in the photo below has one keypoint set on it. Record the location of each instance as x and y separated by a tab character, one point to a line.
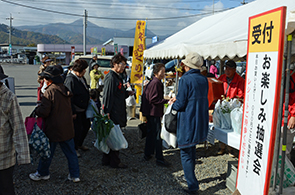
265	32
137	56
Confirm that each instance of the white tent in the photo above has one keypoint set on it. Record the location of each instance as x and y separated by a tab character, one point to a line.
220	36
291	23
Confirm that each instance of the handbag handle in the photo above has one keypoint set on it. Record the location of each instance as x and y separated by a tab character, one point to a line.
33	114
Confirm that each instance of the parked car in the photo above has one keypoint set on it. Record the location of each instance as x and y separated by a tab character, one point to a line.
129	62
103	61
170	66
241	67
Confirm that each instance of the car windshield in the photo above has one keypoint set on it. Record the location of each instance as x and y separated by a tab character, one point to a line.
104	62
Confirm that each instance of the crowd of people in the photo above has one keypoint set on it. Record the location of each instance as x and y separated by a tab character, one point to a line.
64	101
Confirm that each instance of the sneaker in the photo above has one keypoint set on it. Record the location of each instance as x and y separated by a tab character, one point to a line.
195	192
147	158
37	177
74	179
78	154
84	148
163	163
221	152
231	154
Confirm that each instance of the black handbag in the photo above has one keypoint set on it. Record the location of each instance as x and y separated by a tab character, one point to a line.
142	130
171	121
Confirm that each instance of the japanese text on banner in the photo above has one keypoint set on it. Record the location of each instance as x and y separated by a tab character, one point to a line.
264	60
137	56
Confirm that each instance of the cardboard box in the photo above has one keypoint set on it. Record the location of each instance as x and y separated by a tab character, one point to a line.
215	91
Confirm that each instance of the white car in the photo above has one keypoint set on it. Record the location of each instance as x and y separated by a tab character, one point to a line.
103	61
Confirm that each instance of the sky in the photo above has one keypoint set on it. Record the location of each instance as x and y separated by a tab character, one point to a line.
163	17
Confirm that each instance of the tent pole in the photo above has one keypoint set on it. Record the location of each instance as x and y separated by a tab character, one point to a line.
278	133
285	114
221	67
142	82
177	78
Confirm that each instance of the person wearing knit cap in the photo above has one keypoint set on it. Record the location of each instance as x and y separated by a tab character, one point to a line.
55	109
233	87
191	103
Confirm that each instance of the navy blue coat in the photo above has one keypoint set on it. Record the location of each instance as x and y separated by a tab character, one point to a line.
192	106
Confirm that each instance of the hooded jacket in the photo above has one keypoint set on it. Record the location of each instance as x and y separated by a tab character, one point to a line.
192	106
55	109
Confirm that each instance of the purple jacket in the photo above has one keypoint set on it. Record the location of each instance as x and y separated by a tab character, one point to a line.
153	99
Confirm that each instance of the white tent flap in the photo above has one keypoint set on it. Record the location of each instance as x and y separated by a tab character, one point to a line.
217	36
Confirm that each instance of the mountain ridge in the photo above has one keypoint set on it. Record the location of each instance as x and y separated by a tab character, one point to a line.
70	31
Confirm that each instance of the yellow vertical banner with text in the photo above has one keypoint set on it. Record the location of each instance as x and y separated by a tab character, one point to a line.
137	57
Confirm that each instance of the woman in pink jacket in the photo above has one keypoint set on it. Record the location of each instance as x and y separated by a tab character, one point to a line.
213	69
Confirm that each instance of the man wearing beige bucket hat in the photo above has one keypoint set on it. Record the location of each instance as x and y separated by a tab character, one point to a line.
191	104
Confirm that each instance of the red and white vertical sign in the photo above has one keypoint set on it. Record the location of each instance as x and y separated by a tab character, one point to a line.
72	52
261	103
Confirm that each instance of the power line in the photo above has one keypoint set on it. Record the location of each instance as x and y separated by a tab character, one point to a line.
97	1
107	18
142	6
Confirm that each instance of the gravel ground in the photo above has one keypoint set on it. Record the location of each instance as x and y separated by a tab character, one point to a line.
140	177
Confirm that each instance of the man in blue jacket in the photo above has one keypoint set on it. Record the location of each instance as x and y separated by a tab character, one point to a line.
193	118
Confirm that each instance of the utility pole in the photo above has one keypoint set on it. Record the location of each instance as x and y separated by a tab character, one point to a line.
84	31
213	7
10	32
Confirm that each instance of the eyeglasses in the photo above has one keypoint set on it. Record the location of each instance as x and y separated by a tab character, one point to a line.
122	64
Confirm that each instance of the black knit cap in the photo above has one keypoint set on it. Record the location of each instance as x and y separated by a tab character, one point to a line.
2	76
231	64
53	73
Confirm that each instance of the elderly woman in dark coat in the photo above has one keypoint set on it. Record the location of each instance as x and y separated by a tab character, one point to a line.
153	107
55	109
193	118
76	83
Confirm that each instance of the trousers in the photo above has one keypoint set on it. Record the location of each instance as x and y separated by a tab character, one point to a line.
6	181
81	126
188	159
153	140
68	149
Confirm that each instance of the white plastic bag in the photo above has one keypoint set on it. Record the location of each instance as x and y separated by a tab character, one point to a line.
102	146
216	115
236	116
116	140
225	121
225	115
169	138
234	103
130	101
216	118
100	82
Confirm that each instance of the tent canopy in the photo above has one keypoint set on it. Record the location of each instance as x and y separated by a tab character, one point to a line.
291	22
220	36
